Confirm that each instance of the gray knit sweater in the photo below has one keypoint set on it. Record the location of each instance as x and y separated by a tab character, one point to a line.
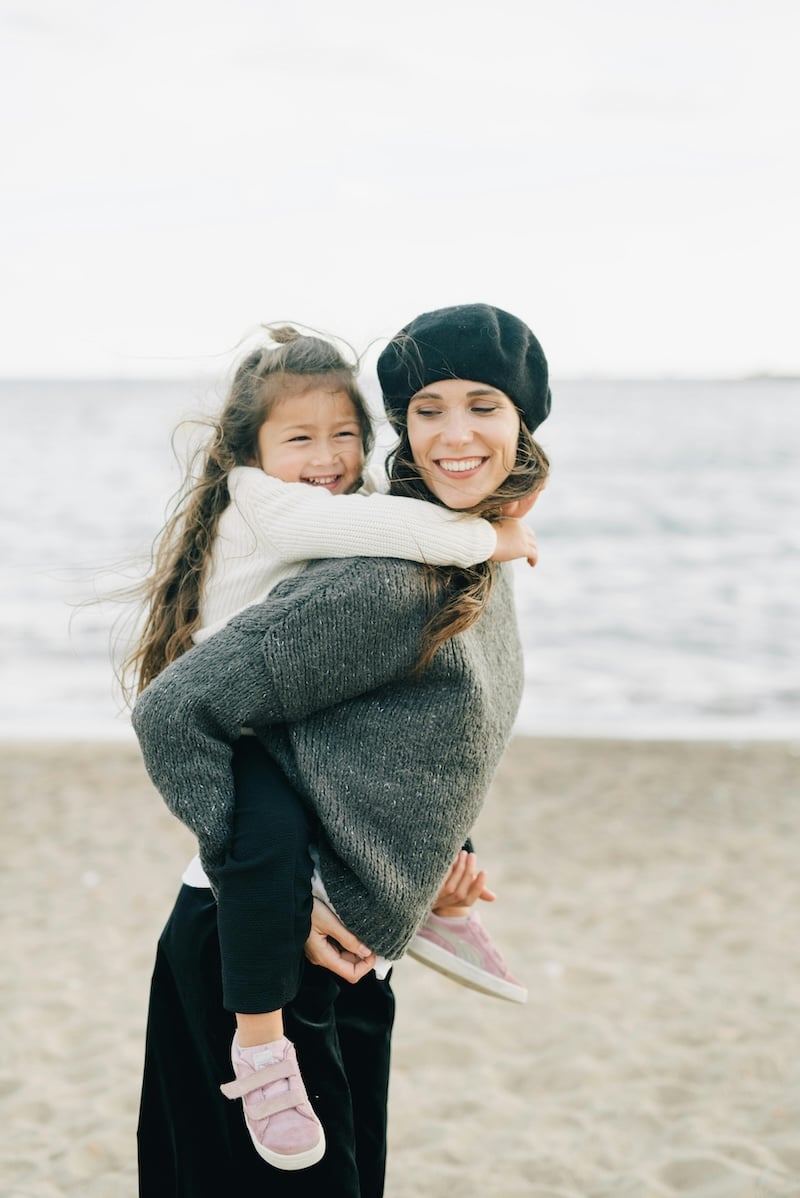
395	767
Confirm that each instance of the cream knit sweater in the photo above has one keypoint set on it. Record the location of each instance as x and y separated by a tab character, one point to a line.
271	529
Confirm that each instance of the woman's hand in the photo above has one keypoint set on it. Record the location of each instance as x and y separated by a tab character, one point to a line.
331	946
462	887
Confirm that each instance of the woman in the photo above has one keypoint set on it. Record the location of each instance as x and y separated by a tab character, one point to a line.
385	691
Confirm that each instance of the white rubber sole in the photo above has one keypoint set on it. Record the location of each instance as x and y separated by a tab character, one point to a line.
463	972
295	1160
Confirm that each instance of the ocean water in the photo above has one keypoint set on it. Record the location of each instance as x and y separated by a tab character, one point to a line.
665	602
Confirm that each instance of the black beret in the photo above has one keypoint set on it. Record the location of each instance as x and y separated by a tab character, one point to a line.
469	341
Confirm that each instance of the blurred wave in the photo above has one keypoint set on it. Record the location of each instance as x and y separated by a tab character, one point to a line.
664	602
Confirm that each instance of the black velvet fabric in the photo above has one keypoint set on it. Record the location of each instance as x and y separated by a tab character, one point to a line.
192	1141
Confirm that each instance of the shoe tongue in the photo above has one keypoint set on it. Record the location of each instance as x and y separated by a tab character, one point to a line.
265	1057
269	1054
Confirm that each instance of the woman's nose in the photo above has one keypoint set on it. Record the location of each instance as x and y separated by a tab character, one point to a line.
456	430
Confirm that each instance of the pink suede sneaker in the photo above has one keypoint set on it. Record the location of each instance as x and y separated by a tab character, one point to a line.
461	948
283	1127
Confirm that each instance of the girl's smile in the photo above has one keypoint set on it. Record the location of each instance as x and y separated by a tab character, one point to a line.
313	437
463	435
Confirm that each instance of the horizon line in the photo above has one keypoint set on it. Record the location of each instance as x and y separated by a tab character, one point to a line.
599	377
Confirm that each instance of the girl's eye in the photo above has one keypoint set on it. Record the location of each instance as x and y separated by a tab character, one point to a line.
300	437
347	433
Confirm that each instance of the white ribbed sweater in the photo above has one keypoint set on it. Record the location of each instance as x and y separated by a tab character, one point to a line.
271	529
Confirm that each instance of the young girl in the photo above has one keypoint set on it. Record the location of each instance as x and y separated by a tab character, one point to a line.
294	433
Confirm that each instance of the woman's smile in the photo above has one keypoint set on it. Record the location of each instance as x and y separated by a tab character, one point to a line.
460	465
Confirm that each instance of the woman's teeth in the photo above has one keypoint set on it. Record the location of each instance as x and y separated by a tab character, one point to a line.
456	466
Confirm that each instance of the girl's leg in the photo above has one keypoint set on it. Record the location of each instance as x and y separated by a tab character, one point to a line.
192	1142
264	917
264	888
453	940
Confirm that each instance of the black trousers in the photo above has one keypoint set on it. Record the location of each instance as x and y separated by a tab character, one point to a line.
264	887
192	1141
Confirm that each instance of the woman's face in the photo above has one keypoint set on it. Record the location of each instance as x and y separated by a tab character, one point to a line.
463	436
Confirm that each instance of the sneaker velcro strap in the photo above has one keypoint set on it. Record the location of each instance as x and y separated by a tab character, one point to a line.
278	1071
277	1102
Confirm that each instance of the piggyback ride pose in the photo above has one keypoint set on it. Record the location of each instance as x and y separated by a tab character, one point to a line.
288	455
391	721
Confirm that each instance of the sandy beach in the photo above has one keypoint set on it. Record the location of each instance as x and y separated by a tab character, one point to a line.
648	897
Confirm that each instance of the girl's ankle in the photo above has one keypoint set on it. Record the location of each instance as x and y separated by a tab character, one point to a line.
264	1028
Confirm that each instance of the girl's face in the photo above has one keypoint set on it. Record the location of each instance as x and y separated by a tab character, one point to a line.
463	436
313	437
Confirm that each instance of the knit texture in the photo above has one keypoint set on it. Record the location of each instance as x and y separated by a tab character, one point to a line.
470	341
270	528
395	767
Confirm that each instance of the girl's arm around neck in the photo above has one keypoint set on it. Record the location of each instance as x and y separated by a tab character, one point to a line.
296	522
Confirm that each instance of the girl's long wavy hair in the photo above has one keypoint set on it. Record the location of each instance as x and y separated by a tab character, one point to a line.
170	595
459	594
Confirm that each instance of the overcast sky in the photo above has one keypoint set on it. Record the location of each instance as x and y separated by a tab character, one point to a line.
623	175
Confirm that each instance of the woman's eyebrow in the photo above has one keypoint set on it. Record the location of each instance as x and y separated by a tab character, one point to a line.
471	394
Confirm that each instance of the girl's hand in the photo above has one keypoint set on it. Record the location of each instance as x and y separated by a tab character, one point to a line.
514	539
462	887
518	508
330	945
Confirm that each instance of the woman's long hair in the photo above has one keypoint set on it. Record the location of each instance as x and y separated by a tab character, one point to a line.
171	593
459	594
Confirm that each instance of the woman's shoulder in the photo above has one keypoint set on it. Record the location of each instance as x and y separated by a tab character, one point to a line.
358	585
362	573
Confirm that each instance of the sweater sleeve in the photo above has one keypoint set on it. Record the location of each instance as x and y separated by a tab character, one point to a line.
296	522
264	668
